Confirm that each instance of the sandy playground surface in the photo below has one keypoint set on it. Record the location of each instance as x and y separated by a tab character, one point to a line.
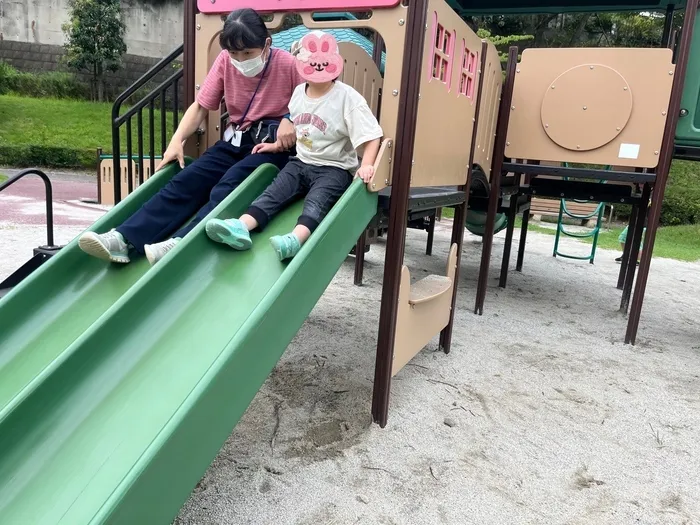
540	415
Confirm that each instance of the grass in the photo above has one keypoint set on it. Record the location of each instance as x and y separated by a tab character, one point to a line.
672	242
70	124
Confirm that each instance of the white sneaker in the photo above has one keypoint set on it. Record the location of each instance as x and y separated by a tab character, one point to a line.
109	246
155	252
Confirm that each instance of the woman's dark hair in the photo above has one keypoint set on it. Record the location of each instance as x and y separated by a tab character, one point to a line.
243	29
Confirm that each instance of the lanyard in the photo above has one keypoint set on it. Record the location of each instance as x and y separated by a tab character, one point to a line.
245	113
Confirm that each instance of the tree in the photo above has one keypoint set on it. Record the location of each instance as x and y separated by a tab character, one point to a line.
95	40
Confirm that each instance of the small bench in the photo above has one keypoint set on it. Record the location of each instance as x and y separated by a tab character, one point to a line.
550	207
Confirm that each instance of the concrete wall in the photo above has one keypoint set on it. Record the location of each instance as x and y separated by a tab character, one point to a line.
151	31
43	57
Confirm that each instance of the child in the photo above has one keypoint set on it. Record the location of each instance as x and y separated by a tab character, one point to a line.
332	120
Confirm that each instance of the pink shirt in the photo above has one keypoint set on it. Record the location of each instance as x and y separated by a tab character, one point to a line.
272	100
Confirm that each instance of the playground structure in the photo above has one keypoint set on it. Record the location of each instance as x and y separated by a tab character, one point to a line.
95	428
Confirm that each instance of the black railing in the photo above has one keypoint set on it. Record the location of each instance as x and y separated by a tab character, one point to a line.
49	199
164	95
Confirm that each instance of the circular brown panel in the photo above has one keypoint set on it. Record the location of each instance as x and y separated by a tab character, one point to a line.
586	107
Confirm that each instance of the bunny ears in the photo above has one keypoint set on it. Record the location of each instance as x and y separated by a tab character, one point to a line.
318	57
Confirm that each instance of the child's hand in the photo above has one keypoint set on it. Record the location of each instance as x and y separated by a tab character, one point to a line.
365	173
267	147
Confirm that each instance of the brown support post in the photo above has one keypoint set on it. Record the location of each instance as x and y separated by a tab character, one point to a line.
431	235
98	154
505	263
668	25
377	50
664	166
496	168
360	258
188	54
460	216
627	248
523	238
398	207
636	240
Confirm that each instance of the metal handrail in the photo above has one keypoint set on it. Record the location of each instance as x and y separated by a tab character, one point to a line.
49	198
147	103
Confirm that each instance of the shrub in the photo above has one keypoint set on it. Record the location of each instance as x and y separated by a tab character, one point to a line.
50	156
682	201
53	84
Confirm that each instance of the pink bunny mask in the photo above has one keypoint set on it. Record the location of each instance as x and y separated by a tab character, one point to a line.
318	58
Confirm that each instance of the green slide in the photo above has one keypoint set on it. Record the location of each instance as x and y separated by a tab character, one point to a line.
122	424
47	312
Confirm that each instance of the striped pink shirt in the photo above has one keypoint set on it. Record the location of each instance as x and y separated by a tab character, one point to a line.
272	100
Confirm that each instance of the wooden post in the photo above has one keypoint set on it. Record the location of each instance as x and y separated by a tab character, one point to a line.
398	209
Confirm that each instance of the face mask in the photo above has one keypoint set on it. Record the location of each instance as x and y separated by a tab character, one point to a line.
251	67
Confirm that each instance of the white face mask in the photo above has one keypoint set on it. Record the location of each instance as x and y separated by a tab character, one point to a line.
251	67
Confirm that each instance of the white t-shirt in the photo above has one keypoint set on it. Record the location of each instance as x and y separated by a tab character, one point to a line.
329	129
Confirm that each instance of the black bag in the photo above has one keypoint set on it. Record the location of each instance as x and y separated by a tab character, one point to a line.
264	131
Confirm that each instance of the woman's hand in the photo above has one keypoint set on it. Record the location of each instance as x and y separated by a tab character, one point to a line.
175	152
286	134
267	147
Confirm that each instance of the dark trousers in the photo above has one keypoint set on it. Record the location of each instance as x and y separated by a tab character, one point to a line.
197	189
322	185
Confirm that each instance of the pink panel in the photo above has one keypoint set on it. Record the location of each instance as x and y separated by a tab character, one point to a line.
450	61
431	64
266	6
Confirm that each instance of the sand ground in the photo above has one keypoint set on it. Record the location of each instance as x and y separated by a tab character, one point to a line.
540	415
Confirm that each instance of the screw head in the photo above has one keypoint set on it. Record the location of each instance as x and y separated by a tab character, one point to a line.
402	22
512	107
561	194
552	87
517	71
656	153
663	113
507	143
196	86
213	1
395	92
546	125
624	88
670	72
591	67
578	147
684	112
386	181
374	186
618	129
199	26
585	108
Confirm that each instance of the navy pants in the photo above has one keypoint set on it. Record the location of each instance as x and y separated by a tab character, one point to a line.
197	189
322	185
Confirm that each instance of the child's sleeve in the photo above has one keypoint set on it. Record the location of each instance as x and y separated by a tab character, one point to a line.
213	87
362	124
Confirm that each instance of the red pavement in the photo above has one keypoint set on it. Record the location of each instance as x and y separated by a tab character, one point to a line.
24	202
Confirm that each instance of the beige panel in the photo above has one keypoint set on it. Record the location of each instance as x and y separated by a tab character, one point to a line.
107	175
488	116
445	121
424	310
382	165
568	104
206	50
360	72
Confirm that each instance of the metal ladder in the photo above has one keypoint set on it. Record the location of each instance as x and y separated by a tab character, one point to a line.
561	230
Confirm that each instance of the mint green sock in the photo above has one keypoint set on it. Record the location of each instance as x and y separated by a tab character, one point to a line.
286	246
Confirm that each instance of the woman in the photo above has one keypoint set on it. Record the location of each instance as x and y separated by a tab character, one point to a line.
257	83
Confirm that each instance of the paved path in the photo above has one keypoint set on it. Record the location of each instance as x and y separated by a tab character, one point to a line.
24	202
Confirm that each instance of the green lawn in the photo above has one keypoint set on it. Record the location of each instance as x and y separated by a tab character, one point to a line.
672	242
73	125
3	178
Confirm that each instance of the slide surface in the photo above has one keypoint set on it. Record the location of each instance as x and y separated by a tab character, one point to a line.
125	420
47	312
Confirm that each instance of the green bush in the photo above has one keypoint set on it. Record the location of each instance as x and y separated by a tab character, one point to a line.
54	157
53	84
682	201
